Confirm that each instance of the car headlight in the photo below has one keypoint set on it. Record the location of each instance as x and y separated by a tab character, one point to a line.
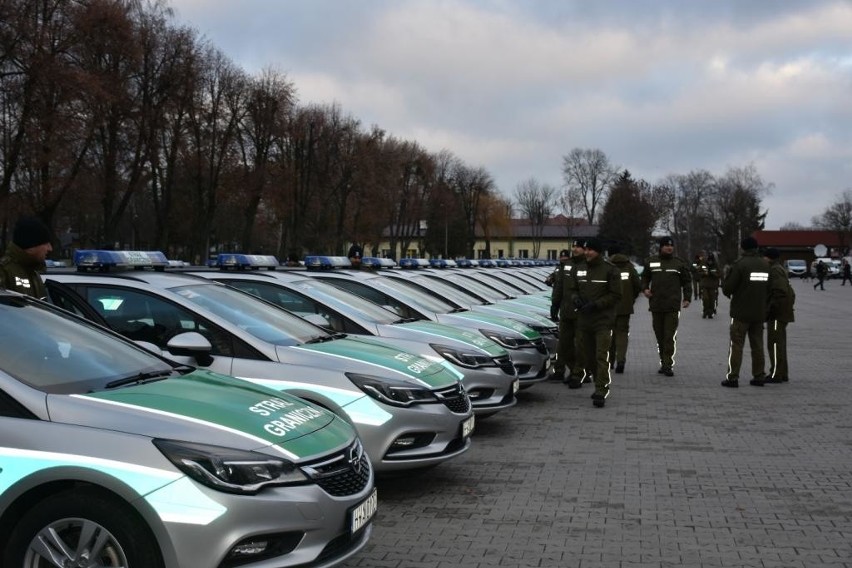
468	359
504	340
230	470
395	392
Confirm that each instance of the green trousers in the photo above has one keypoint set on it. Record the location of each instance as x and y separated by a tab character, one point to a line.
665	330
776	344
595	341
739	331
569	355
620	336
709	297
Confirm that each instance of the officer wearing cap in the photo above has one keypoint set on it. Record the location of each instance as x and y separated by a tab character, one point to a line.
569	355
595	289
666	282
25	258
564	256
747	285
782	298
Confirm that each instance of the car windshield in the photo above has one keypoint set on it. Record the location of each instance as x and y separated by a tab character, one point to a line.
476	286
56	353
258	318
413	293
447	291
345	301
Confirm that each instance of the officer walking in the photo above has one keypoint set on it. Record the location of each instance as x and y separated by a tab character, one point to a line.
595	289
747	285
709	281
782	298
569	355
667	284
25	258
631	286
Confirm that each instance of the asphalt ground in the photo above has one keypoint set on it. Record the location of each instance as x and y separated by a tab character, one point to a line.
672	472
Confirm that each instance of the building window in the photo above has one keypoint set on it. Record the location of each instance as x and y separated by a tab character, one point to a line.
523	253
551	254
499	253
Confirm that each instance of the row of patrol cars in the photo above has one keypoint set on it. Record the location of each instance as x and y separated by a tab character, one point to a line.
140	448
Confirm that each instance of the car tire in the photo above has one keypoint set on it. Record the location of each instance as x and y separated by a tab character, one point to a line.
48	534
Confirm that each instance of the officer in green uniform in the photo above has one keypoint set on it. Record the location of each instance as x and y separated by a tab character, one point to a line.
747	285
568	353
709	282
631	285
667	284
782	298
25	258
595	289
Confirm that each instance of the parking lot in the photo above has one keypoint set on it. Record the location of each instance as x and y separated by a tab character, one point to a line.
673	472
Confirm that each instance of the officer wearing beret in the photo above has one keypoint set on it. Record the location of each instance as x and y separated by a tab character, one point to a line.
569	355
25	258
666	282
782	298
595	289
747	285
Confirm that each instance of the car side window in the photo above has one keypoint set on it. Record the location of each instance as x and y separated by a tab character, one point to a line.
143	317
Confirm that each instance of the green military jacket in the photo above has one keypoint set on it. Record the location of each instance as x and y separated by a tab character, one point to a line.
668	278
561	296
708	276
20	272
782	297
597	281
631	284
747	285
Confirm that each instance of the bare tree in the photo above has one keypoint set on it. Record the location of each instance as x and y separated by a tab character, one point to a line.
736	208
587	174
837	217
536	202
687	216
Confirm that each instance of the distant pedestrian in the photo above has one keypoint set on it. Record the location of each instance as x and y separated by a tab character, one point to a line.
569	353
595	291
709	284
782	298
821	272
747	285
695	273
631	286
564	256
25	259
666	282
355	253
847	273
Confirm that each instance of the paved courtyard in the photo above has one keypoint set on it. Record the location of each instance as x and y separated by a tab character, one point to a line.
673	472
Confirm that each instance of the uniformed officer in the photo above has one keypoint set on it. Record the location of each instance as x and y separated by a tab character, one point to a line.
709	281
569	355
782	298
25	258
747	285
631	286
667	284
595	289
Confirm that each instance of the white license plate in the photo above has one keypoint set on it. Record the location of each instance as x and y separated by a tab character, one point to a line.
516	386
467	427
361	514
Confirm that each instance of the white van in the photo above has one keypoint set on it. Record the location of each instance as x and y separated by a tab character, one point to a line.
796	267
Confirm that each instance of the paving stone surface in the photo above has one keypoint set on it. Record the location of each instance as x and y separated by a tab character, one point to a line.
672	472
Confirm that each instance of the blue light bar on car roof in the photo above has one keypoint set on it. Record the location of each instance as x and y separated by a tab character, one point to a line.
238	261
501	263
103	260
467	263
376	262
326	262
487	263
413	263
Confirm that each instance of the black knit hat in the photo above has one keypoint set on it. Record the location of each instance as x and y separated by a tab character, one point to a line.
594	244
579	243
565	252
772	253
30	232
748	243
666	241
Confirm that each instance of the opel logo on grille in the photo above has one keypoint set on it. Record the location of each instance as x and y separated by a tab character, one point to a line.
355	458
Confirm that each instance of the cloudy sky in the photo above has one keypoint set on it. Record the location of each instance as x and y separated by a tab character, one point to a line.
661	86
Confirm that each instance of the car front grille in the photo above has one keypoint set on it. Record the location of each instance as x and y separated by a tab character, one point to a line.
454	398
345	473
505	363
540	346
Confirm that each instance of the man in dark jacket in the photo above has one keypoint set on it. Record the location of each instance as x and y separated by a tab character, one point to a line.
747	285
666	282
631	285
569	355
25	258
595	289
709	284
782	298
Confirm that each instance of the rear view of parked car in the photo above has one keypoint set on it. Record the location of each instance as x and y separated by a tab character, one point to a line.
114	457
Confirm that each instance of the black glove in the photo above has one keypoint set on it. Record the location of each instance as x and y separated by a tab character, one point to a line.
579	303
588	308
554	313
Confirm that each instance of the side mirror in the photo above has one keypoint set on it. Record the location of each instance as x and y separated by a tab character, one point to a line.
191	344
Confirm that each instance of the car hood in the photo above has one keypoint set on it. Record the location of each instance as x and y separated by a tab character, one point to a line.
374	353
206	407
437	331
492	322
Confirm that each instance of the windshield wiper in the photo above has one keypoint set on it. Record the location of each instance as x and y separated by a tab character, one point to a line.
139	378
405	320
319	339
